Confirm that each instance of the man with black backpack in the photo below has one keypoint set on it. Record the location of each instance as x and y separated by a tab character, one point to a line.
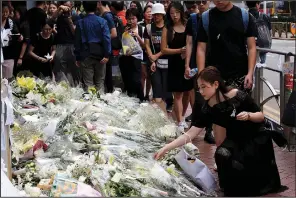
226	40
116	30
191	45
263	24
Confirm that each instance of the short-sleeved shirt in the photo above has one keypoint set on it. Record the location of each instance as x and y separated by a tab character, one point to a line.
41	45
227	41
109	18
189	25
155	39
64	33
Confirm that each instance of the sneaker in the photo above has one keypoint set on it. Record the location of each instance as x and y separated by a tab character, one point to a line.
188	118
185	125
181	129
209	138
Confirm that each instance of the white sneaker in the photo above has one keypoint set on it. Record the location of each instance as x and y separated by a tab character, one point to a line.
184	124
181	129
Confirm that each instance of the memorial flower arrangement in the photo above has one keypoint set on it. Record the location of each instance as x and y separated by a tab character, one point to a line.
104	142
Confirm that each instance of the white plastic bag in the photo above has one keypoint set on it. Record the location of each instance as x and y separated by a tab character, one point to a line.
197	170
50	129
131	47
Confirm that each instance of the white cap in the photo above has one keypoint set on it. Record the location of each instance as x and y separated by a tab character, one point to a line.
158	8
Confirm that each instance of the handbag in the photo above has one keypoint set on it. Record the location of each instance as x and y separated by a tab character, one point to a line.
95	49
289	117
196	170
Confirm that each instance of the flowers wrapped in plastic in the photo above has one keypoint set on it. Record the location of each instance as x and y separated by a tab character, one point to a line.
105	142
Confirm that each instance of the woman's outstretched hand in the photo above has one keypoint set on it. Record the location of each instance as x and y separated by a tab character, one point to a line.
159	154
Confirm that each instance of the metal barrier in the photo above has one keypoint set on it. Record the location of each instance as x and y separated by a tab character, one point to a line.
280	97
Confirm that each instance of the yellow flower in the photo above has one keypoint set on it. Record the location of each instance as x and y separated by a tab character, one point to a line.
16	127
92	90
27	83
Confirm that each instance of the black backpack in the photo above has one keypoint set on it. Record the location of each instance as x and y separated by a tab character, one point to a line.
116	42
264	36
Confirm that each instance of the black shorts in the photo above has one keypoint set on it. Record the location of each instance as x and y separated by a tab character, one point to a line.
159	83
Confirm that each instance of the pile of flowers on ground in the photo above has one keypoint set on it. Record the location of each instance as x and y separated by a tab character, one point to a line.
68	143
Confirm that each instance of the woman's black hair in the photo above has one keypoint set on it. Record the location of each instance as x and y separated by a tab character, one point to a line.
117	5
132	12
22	10
140	9
147	4
145	9
170	23
53	3
49	22
211	75
252	4
5	4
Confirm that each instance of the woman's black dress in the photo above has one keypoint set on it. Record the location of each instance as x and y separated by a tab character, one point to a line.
245	160
176	67
42	47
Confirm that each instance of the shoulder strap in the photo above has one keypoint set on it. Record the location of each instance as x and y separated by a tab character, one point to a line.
83	30
205	17
193	17
140	31
149	31
245	15
148	27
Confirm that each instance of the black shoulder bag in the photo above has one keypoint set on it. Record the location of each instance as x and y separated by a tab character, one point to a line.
95	49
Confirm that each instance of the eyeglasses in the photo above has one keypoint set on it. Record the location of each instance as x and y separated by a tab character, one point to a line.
201	2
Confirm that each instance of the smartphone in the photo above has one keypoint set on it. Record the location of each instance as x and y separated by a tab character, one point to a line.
128	26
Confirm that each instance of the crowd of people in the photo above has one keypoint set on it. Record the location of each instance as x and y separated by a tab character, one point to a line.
80	42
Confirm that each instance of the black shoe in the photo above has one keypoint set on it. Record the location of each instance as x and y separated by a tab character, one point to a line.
209	138
169	108
188	118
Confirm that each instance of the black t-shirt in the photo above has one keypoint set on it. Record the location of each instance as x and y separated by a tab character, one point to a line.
227	41
64	33
36	18
188	29
41	45
155	38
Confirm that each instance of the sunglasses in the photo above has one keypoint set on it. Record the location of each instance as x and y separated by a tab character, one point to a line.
201	2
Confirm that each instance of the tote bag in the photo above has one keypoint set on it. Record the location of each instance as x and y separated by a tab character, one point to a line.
196	170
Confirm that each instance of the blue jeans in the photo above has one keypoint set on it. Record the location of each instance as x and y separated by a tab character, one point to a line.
262	56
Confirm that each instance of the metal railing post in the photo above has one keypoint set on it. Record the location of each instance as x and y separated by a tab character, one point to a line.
283	94
257	93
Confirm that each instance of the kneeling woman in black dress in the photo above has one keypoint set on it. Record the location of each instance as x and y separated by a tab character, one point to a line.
42	51
245	160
